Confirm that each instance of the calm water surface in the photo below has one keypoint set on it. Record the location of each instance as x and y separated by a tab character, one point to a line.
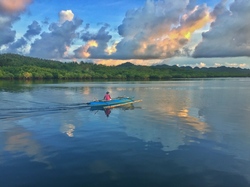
183	134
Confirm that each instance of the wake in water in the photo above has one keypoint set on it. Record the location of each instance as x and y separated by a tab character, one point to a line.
7	113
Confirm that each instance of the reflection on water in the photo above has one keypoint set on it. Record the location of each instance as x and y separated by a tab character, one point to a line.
107	111
86	91
68	129
193	121
101	166
19	141
170	119
184	133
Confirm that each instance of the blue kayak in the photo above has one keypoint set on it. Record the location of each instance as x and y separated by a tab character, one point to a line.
119	101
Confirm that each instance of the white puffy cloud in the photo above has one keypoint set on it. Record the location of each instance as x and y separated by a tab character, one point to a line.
65	15
229	34
56	43
158	30
33	30
10	11
7	35
21	44
17	46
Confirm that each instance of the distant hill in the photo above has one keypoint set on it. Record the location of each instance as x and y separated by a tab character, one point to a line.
126	64
10	59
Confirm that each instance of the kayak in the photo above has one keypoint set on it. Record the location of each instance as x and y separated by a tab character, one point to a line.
119	101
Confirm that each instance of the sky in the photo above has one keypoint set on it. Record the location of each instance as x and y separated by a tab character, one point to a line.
196	33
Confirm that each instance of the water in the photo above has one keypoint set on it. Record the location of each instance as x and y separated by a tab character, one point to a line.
183	134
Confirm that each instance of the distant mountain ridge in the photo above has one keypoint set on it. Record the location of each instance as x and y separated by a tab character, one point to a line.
126	64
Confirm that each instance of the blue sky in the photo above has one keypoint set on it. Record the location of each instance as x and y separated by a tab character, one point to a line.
203	33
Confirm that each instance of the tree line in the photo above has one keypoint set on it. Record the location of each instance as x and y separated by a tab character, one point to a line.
13	66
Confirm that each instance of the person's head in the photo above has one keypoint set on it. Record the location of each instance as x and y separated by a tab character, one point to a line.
107	92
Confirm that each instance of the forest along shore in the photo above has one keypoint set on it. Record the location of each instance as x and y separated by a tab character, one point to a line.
20	67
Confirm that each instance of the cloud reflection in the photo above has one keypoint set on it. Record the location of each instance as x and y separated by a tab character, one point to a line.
68	129
171	118
19	141
102	166
192	121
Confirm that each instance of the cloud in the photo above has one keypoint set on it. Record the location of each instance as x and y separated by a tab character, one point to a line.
13	6
10	11
235	65
21	45
229	34
147	31
201	65
158	30
33	30
65	15
56	43
96	44
83	51
109	62
17	46
7	35
112	62
208	62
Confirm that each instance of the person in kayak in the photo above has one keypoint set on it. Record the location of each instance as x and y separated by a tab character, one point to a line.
107	96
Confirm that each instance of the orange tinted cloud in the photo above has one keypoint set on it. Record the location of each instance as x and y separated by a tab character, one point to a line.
159	30
83	51
14	5
111	49
115	62
109	62
165	44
